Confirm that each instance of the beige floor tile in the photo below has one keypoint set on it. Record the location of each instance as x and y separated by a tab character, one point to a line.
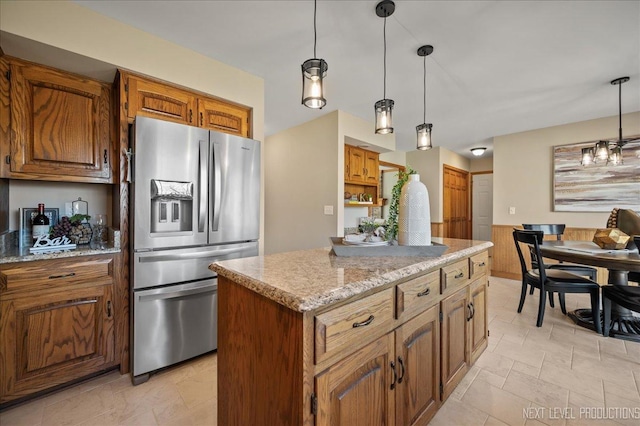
492	421
555	415
517	352
29	414
503	405
205	413
453	412
627	392
609	370
622	410
198	388
466	381
492	379
80	407
583	384
539	391
496	364
145	418
526	369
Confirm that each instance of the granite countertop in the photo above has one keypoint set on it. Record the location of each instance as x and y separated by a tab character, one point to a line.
22	255
308	279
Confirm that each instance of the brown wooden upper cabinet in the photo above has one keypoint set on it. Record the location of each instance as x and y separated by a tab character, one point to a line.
60	125
157	99
360	166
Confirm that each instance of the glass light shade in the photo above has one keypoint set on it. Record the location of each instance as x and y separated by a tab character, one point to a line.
616	156
587	156
313	73
478	151
424	136
602	151
384	122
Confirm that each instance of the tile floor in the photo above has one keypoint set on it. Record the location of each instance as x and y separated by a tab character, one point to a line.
556	375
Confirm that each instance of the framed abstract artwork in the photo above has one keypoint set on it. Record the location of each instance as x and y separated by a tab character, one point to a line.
597	187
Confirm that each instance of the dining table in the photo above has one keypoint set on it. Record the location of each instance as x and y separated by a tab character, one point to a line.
619	263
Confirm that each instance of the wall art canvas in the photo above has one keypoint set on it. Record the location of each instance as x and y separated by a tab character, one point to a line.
597	187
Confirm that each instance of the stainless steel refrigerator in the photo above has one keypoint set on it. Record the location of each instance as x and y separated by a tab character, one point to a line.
195	200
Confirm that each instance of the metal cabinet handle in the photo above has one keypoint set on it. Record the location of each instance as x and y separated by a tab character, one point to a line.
109	309
401	370
460	275
53	277
470	312
473	310
347	170
190	116
481	264
395	375
424	293
201	119
105	157
363	323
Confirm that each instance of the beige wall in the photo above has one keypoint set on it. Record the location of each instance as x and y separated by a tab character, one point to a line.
429	164
482	164
71	27
523	171
302	178
395	157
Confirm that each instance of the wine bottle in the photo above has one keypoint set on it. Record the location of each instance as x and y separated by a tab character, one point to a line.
40	224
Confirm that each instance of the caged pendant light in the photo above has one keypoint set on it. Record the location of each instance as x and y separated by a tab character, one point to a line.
424	130
384	107
313	73
601	152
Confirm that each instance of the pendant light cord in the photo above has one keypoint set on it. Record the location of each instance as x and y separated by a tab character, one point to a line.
620	112
315	5
384	36
424	92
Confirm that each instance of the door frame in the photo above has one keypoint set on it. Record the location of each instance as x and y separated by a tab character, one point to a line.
446	167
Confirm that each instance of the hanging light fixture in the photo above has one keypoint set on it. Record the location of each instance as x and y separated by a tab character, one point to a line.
313	73
384	107
424	130
601	152
478	151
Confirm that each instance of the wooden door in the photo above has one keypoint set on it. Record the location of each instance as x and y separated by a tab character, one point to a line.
152	99
356	165
455	340
61	125
371	166
223	117
418	358
456	216
47	339
357	390
479	326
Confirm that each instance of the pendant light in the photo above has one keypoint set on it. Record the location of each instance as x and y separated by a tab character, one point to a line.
384	107
601	151
424	130
313	73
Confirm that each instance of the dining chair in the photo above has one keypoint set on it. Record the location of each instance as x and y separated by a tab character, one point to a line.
552	280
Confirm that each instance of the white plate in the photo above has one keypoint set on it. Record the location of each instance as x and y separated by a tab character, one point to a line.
365	243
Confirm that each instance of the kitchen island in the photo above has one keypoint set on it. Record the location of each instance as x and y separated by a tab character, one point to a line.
306	337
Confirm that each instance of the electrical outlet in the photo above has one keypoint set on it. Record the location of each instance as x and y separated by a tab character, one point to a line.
512	210
328	210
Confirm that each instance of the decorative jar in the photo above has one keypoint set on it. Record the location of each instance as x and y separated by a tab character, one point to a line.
414	216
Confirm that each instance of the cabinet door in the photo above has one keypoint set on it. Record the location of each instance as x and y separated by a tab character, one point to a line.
418	362
455	355
478	330
347	166
60	124
357	390
356	165
371	167
223	117
151	99
47	339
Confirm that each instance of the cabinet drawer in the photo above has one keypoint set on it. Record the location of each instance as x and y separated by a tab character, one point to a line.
417	294
478	265
55	273
353	324
454	275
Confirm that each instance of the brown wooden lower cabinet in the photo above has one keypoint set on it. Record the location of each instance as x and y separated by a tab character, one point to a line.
391	357
55	326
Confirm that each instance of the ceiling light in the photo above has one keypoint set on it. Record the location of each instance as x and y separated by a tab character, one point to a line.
384	107
313	73
424	130
478	151
602	152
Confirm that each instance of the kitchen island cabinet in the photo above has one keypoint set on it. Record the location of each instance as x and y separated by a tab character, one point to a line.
57	321
310	338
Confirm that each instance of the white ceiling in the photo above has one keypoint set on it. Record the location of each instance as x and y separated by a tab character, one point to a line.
498	67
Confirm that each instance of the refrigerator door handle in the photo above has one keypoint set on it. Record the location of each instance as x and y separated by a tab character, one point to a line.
217	186
182	256
177	294
202	182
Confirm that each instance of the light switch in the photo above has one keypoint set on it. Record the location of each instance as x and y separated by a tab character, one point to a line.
328	210
512	210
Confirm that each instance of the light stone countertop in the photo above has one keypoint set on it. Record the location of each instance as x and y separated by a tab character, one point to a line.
308	279
23	255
